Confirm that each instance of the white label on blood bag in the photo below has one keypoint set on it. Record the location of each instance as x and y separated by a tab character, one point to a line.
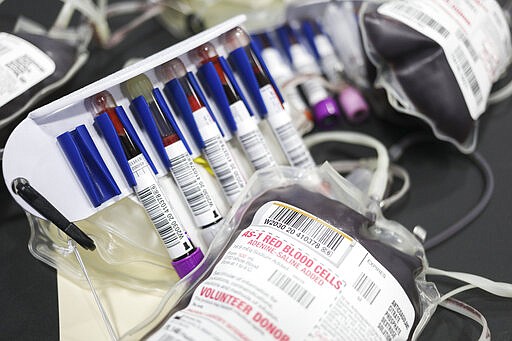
283	279
189	181
22	65
474	36
253	143
158	208
205	123
289	139
224	167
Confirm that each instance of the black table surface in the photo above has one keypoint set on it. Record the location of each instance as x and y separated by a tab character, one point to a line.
445	185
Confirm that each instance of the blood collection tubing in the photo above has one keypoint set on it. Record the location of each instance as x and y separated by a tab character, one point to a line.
211	141
279	119
185	256
245	127
182	167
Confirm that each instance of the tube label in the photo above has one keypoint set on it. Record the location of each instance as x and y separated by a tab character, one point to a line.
289	139
22	65
290	266
253	143
303	62
191	185
219	157
158	208
330	63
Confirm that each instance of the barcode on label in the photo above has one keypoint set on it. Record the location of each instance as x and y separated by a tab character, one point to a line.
223	166
24	65
318	231
463	64
189	183
292	288
366	288
425	19
460	35
293	146
160	219
256	149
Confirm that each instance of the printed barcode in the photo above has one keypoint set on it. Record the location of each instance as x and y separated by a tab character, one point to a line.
366	288
223	166
461	60
460	35
425	19
163	225
256	149
186	177
292	288
316	230
293	146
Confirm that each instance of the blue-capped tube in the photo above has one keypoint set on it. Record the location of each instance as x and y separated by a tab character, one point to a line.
167	138
350	99
140	174
282	73
254	74
229	98
182	90
324	107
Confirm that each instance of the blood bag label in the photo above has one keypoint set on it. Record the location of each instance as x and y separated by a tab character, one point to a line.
474	36
22	65
292	276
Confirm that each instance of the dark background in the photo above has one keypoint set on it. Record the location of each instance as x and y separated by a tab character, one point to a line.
445	185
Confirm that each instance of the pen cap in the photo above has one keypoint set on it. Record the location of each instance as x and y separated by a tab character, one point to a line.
210	78
287	38
310	29
140	106
88	165
178	99
189	263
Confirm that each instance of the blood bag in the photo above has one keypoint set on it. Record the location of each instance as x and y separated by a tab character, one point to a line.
308	257
437	60
33	64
